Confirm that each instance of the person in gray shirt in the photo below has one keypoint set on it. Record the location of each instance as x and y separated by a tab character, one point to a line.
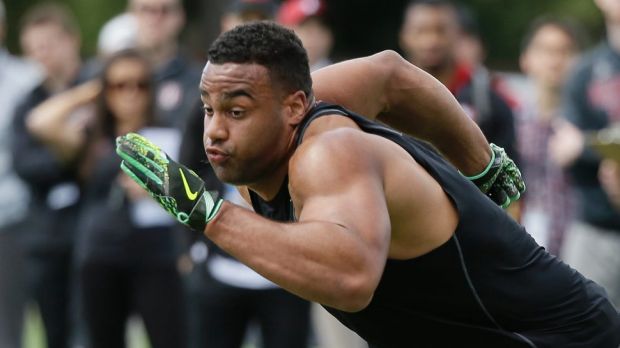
17	77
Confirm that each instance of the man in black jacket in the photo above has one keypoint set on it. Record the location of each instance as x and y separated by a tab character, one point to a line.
50	36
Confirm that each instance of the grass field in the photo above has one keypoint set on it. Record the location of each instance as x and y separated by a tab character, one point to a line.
34	335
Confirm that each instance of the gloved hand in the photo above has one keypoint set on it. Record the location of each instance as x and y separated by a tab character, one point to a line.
501	180
175	187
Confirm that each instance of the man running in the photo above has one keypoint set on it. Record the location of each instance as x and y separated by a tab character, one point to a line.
371	223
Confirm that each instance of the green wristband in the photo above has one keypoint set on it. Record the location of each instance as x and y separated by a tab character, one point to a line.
486	170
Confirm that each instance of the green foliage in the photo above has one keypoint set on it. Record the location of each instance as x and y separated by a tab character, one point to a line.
503	23
90	14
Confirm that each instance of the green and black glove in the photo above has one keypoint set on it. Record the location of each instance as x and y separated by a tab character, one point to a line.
501	180
175	187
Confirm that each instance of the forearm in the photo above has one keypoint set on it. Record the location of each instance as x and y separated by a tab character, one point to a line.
387	87
318	261
418	104
52	121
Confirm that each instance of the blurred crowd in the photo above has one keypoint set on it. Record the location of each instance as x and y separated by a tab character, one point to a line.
90	249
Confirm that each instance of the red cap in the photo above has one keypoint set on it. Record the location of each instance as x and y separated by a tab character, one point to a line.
293	12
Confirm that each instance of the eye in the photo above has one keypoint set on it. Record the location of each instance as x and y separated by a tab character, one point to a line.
236	113
208	110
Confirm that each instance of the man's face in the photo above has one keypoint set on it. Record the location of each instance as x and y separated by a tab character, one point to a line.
428	35
246	134
159	21
50	45
549	56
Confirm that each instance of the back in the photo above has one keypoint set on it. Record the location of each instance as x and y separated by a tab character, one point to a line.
489	285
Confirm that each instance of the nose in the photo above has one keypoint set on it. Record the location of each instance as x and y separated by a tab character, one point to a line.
215	128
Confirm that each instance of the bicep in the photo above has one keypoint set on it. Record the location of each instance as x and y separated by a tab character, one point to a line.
345	190
358	207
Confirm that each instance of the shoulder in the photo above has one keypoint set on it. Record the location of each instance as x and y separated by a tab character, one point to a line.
333	145
335	155
23	74
586	63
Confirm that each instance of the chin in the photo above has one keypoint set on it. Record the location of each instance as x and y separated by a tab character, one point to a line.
229	177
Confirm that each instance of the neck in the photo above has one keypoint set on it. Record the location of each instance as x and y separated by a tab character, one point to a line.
130	125
547	101
269	186
62	79
162	54
444	73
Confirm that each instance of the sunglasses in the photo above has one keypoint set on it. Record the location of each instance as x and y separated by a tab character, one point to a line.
164	10
129	85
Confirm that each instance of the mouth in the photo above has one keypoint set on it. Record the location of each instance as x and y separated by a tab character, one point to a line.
216	156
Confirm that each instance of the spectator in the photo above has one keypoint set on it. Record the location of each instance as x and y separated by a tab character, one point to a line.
592	243
428	37
159	24
549	50
50	36
470	49
17	77
243	11
124	256
117	34
307	18
177	103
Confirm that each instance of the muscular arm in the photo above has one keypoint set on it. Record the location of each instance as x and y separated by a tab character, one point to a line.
386	87
335	254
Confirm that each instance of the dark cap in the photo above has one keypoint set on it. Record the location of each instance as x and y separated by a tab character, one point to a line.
264	8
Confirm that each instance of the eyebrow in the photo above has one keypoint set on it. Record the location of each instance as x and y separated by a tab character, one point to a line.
231	94
237	93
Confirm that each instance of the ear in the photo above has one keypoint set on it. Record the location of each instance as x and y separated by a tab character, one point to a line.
296	105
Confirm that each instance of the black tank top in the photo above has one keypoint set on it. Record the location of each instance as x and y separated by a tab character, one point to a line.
490	285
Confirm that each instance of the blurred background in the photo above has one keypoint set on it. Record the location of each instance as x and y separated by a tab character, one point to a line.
88	260
360	28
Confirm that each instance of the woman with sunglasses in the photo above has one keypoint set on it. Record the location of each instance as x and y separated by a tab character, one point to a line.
125	253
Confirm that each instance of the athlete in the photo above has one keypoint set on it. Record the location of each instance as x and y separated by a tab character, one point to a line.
376	226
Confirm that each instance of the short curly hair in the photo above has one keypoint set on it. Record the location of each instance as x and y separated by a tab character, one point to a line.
270	45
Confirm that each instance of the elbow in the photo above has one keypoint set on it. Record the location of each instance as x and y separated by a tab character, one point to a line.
35	124
389	59
357	293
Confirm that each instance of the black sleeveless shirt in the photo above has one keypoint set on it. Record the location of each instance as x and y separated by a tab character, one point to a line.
490	285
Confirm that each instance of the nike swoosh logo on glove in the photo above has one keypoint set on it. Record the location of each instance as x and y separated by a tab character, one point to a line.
188	191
